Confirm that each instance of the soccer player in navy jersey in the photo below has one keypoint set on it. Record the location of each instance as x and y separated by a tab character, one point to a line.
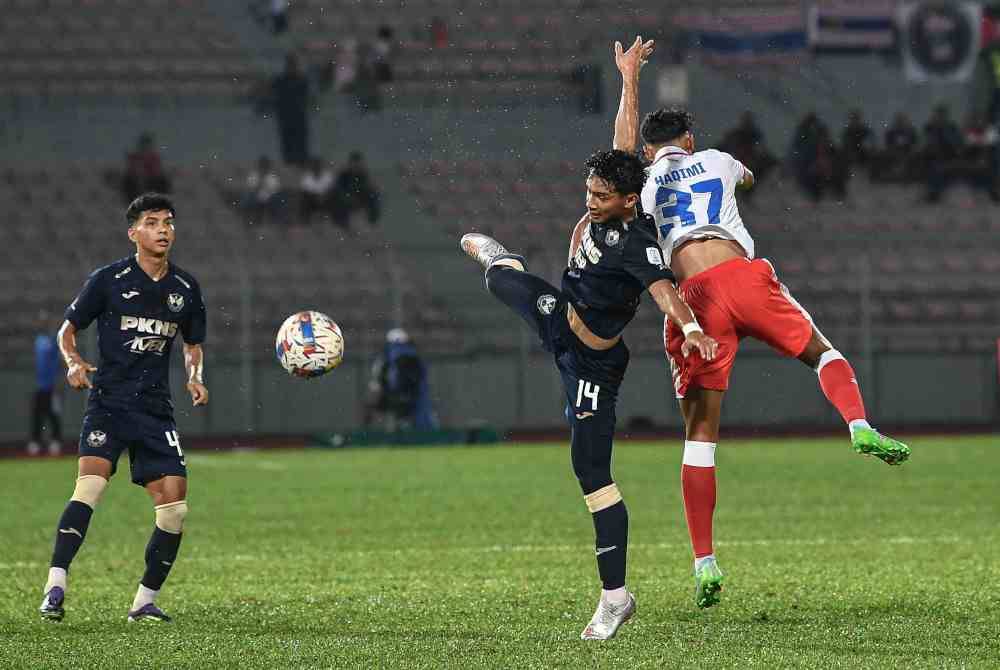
140	304
614	258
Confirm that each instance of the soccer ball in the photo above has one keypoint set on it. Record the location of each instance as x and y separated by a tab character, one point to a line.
309	344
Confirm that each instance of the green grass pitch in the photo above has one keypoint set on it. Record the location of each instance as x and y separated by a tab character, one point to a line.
483	557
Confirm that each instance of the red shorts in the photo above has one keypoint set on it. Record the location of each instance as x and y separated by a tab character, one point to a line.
731	301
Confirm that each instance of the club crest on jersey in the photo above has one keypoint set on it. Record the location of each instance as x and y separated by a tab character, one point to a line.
175	302
546	303
96	439
612	238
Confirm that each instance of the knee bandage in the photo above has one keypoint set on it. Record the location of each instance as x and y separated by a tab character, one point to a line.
170	517
89	489
603	498
828	356
699	454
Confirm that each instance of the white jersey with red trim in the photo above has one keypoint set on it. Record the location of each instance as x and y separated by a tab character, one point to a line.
693	196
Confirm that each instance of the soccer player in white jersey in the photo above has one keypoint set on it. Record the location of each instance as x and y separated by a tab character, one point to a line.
691	195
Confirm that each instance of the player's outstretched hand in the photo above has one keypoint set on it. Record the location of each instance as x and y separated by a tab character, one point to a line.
630	62
77	374
199	394
702	343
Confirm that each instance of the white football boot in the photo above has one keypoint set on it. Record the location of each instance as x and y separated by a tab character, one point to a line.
608	619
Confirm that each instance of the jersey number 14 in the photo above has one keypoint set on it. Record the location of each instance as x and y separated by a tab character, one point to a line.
675	206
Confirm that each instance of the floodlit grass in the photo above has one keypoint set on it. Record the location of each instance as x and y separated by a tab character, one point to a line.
483	557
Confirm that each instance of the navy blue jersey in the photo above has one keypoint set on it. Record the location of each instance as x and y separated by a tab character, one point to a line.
137	321
614	264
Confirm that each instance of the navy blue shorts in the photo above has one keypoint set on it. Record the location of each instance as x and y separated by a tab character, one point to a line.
590	378
154	448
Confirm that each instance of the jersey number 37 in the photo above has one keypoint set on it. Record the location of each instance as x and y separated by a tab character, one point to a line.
681	208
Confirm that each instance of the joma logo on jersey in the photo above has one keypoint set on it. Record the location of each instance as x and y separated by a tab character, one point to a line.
587	251
149	326
149	344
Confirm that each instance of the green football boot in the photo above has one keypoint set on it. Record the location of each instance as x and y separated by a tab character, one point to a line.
873	443
707	583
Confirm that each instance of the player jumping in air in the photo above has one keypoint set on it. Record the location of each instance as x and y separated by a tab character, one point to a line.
140	303
691	197
615	258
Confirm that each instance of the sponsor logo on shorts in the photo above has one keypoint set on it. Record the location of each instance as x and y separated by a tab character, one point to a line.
96	439
604	550
584	415
175	301
546	303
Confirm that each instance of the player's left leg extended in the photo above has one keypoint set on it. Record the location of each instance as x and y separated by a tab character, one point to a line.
168	494
158	464
769	313
840	386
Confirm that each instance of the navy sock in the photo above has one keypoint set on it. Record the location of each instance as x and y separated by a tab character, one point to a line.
69	536
160	555
611	526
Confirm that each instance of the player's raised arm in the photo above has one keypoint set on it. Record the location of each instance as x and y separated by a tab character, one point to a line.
194	358
627	121
670	303
76	367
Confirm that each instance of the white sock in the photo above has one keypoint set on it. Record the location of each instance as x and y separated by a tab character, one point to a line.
57	577
858	423
143	596
614	596
699	561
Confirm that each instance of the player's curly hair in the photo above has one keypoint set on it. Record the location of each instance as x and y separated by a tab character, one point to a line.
665	125
148	202
621	170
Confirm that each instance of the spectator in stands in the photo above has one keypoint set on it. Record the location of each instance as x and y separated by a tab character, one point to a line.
746	143
943	146
366	83
588	79
45	406
898	161
857	140
144	170
818	163
439	33
398	389
346	70
292	95
980	152
354	190
383	54
262	195
315	189
271	13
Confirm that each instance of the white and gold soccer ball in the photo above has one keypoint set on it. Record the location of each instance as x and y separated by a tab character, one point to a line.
309	344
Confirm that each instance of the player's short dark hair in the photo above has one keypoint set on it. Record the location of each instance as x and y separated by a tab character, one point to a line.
621	170
665	124
148	202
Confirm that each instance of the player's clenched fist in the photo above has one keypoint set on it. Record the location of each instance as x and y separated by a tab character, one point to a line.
199	394
77	374
702	343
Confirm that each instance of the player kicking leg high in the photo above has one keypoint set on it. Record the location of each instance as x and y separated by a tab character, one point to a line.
613	259
691	197
140	303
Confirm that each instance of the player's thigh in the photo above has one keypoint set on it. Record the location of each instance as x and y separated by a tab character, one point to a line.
702	410
532	298
167	489
157	451
769	313
693	371
104	436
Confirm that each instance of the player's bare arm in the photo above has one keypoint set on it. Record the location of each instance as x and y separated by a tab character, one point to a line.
670	303
574	241
748	179
77	369
629	64
194	357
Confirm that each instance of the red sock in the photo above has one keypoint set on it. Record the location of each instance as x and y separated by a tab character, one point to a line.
698	486
836	378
